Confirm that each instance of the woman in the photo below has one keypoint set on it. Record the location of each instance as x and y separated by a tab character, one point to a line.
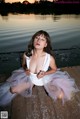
39	68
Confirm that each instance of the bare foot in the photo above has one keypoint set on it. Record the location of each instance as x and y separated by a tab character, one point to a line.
61	95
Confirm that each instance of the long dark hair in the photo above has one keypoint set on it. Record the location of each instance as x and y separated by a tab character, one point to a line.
47	49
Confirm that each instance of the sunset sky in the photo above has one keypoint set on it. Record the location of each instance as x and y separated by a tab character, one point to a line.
31	1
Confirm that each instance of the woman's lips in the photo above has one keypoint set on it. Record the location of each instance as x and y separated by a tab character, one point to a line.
37	44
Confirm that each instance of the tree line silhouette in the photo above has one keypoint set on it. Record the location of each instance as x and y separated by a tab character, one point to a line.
41	7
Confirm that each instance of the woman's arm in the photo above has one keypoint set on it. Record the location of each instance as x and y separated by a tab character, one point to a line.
52	70
24	62
52	66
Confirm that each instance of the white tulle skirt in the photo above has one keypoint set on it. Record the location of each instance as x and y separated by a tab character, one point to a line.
58	85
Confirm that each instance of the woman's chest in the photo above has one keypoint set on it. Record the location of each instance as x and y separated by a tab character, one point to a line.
36	64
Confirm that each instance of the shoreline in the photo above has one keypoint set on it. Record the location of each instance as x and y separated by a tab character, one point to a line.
40	8
10	61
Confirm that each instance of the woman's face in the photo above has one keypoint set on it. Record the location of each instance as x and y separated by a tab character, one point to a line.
40	42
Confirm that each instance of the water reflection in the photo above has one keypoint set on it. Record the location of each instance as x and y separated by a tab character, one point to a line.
40	17
17	29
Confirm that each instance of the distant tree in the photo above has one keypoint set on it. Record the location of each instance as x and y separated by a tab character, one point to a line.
43	0
36	1
25	2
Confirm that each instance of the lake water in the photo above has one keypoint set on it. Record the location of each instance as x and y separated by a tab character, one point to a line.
16	30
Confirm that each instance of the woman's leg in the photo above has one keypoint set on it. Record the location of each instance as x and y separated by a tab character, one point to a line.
5	95
54	91
20	87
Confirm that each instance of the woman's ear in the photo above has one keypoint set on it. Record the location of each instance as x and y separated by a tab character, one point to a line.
46	45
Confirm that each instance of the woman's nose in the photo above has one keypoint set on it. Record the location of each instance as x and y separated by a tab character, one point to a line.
38	39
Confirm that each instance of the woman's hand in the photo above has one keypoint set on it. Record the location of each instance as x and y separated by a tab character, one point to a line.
40	74
27	71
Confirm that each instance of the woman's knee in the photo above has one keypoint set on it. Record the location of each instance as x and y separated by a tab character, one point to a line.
13	90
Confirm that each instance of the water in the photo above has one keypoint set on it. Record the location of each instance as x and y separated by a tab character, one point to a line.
16	31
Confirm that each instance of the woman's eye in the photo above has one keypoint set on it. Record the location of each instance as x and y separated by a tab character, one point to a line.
43	39
36	37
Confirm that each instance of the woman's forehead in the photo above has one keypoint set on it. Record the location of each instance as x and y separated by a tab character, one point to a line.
41	36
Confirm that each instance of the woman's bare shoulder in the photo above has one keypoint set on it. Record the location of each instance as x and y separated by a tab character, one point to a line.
52	58
24	55
52	62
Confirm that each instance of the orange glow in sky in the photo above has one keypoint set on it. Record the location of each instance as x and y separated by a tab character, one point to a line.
31	1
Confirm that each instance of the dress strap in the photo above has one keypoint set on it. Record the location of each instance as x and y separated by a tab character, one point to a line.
47	62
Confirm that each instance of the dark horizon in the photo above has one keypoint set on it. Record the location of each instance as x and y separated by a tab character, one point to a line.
42	7
55	1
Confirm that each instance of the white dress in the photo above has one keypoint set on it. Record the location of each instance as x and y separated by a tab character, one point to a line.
33	77
55	84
